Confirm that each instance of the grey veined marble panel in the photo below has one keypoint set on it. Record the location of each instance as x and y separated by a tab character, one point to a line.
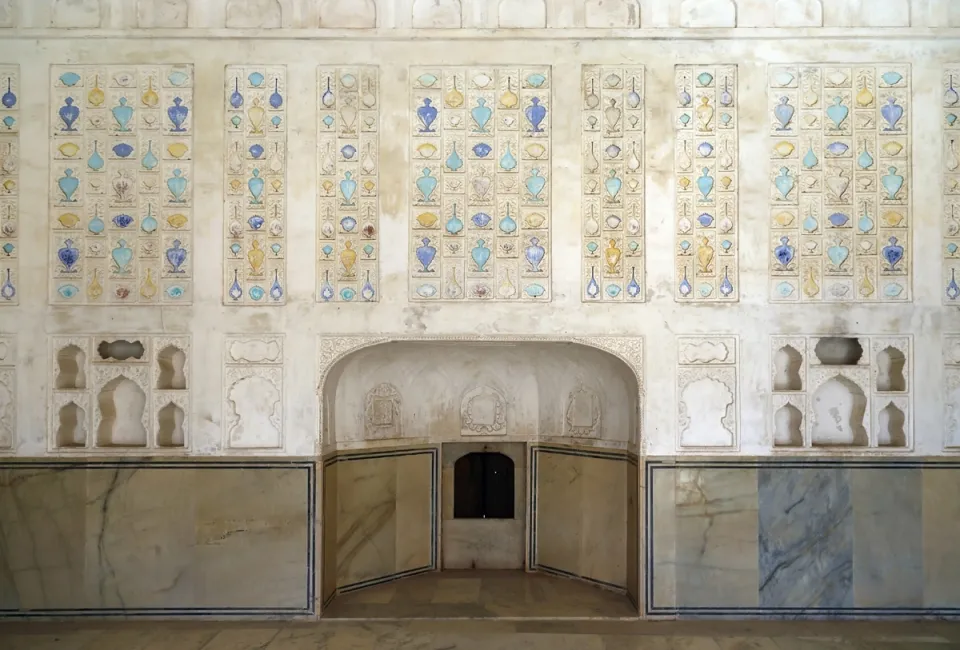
806	537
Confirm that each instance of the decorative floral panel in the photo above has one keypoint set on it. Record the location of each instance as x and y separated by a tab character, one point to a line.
480	213
951	183
707	164
613	224
349	169
9	183
121	192
255	166
839	183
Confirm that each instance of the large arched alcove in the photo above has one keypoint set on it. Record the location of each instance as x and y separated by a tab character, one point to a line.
398	415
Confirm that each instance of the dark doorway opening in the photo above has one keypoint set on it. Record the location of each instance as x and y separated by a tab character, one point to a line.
483	486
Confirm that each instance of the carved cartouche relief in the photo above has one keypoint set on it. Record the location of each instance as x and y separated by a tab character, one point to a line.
483	411
382	413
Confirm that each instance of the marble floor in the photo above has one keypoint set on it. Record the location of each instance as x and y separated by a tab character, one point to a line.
480	635
481	594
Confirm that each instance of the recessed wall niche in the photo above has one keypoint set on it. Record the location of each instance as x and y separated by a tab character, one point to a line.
253	392
707	396
8	392
839	393
119	392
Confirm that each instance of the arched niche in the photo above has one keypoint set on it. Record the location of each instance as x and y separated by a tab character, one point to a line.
838	409
348	14
254	14
708	13
483	486
72	427
172	361
71	363
891	426
534	379
170	426
787	362
798	13
838	351
8	13
612	13
890	365
788	426
76	13
152	14
529	14
889	13
434	14
122	403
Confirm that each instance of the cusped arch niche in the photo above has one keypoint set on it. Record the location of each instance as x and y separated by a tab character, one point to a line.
162	13
348	14
514	389
254	14
708	13
433	14
76	13
612	13
529	14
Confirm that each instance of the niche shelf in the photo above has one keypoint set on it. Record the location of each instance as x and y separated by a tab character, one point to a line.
841	394
119	394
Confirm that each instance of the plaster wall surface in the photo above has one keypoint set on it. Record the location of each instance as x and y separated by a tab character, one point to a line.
42	34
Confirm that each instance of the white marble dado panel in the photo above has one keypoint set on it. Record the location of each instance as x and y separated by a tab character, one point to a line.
119	394
447	390
708	393
253	393
255	186
840	185
348	147
121	184
836	394
9	183
8	393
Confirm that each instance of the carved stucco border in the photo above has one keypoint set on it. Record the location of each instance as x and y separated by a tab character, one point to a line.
333	348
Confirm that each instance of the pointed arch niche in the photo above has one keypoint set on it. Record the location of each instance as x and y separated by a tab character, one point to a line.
121	403
484	395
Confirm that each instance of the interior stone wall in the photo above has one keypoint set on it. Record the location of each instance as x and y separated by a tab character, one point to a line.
213	35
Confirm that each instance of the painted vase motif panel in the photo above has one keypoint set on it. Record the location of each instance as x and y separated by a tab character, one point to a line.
839	183
348	223
9	184
951	184
121	185
706	164
255	185
480	182
613	193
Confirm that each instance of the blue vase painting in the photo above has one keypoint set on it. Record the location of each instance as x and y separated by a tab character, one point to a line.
276	99
535	185
535	254
593	288
837	112
68	256
784	183
177	185
953	289
705	184
454	161
176	255
784	252
784	113
426	254
255	185
348	188
427	184
480	255
236	99
427	115
122	114
891	113
96	162
9	99
726	287
8	291
892	183
276	291
149	161
613	186
68	185
236	291
481	115
633	287
536	113
69	114
122	256
178	115
893	253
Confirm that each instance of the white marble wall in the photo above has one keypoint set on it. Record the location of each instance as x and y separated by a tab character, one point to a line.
104	31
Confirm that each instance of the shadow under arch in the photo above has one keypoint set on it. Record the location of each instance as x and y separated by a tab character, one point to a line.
383	481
